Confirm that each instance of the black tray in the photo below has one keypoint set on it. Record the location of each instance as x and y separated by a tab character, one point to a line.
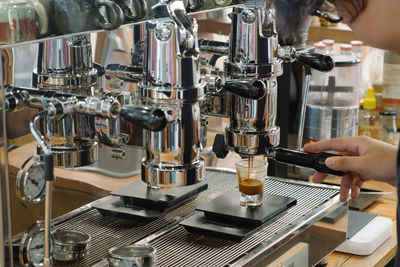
223	216
113	206
139	195
226	208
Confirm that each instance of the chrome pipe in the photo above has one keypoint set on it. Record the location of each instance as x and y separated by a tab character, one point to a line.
37	134
48	261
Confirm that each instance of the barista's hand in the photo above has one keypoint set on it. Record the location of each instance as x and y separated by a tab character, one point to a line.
363	159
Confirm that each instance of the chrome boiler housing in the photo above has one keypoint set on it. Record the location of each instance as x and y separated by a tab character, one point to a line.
253	55
172	82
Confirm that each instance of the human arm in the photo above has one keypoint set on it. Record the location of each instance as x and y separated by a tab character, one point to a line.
362	159
374	21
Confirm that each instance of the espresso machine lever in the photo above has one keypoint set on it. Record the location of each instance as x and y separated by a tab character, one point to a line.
147	117
315	61
132	74
251	89
315	161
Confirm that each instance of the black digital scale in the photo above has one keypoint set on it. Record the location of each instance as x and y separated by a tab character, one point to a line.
140	202
224	217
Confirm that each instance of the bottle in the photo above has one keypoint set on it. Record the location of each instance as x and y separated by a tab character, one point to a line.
357	49
369	118
378	95
329	46
391	84
320	48
319	78
346	50
388	131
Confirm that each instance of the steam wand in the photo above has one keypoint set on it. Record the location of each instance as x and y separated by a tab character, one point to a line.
49	176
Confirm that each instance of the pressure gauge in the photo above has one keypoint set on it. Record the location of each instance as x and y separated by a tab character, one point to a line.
31	182
31	248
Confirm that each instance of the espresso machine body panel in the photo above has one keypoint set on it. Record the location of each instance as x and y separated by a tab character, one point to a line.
172	83
253	56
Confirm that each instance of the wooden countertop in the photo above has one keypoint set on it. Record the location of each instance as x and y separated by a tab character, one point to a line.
100	185
385	207
88	182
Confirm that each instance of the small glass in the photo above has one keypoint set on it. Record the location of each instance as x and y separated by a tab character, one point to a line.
251	177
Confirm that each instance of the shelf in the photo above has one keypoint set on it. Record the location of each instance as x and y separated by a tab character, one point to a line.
340	33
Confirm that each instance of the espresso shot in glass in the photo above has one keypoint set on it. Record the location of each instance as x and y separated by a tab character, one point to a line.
251	175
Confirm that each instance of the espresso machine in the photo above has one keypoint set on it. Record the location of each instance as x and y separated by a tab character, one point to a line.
176	92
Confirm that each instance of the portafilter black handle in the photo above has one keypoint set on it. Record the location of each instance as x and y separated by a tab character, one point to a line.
253	89
315	161
316	61
149	118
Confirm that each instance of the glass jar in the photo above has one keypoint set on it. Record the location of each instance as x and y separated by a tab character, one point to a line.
333	101
388	132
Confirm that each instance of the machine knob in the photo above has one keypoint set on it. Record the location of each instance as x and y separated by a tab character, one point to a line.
219	147
253	89
149	118
316	61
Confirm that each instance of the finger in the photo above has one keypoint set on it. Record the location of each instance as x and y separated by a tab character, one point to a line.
345	186
356	187
355	191
319	177
338	144
345	163
358	181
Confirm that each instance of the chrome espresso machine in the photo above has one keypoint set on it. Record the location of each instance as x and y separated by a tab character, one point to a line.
161	102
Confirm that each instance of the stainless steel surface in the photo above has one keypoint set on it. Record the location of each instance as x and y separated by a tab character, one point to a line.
253	44
172	81
164	174
324	122
70	245
48	256
66	64
253	53
110	164
252	123
175	246
37	134
132	255
72	157
252	143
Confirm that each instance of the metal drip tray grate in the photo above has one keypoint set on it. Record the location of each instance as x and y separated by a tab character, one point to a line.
175	246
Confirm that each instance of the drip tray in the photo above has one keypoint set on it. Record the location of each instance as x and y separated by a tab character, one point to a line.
138	201
224	217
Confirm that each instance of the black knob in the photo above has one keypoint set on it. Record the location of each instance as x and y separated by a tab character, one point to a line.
316	61
149	118
100	69
253	89
219	147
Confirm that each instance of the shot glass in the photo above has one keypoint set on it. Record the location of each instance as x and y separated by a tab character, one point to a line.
132	255
251	175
